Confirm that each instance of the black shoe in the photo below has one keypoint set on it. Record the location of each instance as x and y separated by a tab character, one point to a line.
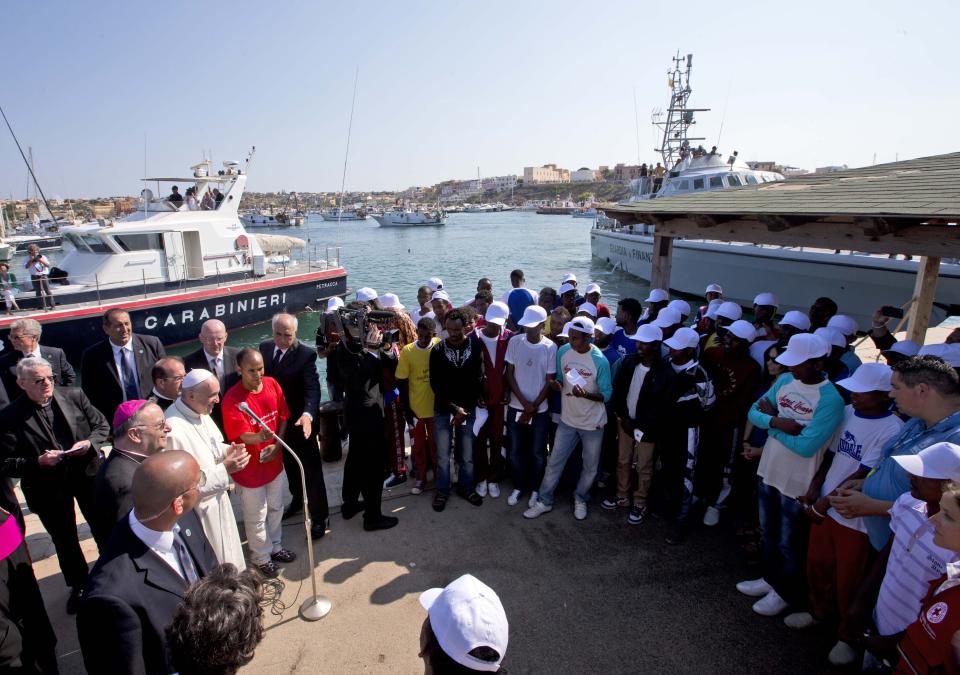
676	535
292	510
473	498
349	510
319	529
269	569
73	602
381	523
439	502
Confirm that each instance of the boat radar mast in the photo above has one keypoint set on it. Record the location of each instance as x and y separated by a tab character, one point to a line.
678	118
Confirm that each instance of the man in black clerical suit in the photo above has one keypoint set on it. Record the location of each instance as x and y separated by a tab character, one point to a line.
154	554
216	357
50	438
119	368
167	375
294	365
25	338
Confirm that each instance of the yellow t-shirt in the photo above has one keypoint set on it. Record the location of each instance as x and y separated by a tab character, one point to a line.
414	366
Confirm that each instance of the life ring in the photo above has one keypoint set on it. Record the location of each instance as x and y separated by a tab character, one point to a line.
241	243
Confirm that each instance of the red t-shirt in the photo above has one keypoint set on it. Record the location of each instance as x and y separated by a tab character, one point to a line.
270	406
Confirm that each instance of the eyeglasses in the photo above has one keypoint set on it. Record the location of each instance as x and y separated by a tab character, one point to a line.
162	424
177	378
43	380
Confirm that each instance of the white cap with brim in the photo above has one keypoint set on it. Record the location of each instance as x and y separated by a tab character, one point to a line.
766	300
647	333
566	288
948	352
435	283
465	615
846	325
684	338
714	288
831	336
568	277
565	331
497	313
657	295
390	301
868	377
730	310
606	325
904	348
440	295
801	348
940	461
797	319
681	306
712	308
589	308
334	303
366	294
743	330
667	317
592	288
533	315
581	323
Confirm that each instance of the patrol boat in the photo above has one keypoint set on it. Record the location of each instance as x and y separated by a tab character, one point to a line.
172	269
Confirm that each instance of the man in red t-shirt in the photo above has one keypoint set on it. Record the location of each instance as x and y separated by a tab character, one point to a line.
259	484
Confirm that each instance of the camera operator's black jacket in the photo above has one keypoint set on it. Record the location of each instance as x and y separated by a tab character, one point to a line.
362	376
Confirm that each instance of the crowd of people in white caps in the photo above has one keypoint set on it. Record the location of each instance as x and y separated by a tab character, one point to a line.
837	476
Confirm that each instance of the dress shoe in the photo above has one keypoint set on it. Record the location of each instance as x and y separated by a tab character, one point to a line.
317	531
350	509
292	510
381	523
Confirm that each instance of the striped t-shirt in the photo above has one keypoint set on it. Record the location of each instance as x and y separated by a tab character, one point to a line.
914	562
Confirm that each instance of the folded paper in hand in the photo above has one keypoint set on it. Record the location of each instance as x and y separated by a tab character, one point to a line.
574	378
482	415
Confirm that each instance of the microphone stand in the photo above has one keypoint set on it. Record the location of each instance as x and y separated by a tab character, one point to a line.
316	606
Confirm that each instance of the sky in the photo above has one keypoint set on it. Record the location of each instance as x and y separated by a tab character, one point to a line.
102	90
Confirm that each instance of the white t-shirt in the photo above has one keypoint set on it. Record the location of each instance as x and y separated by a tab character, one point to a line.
415	316
578	412
490	343
636	383
531	365
858	442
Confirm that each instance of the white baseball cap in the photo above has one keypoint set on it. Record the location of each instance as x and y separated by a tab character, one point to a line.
668	316
390	301
435	283
589	308
949	353
766	300
730	310
904	347
846	325
647	333
568	277
366	294
714	288
681	306
497	313
606	325
868	377
440	295
657	295
802	347
336	302
592	287
831	336
565	331
712	308
940	461
533	315
797	319
465	615
743	330
584	324
684	338
565	288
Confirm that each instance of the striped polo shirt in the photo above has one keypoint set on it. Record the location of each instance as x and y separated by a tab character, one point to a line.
914	562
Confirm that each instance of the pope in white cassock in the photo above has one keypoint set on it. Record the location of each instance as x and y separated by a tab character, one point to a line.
192	430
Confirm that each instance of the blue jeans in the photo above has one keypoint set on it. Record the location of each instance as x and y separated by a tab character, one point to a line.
528	449
563	445
783	535
463	441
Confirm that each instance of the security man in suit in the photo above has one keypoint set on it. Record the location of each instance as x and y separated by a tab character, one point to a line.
154	554
25	338
50	438
294	365
216	357
119	368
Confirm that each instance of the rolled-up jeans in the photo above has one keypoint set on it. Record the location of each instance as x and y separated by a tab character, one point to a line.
528	449
563	446
463	449
783	537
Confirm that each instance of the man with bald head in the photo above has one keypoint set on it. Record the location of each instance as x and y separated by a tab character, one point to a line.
167	375
155	552
192	429
214	355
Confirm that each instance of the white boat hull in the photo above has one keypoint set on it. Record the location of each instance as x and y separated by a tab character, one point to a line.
409	220
858	283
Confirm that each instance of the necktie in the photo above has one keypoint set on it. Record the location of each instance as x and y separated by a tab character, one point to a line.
186	560
215	369
131	390
277	355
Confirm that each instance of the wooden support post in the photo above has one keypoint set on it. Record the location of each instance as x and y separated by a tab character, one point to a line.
923	289
662	262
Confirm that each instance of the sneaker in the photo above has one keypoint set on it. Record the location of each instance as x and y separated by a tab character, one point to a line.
493	489
637	513
579	510
611	504
842	654
534	497
711	517
394	480
269	569
513	498
481	488
755	588
283	555
417	488
770	605
537	510
800	620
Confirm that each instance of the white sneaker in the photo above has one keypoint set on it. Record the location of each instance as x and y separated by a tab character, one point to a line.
537	510
755	588
770	605
842	654
493	489
533	498
579	510
711	517
513	498
800	620
481	488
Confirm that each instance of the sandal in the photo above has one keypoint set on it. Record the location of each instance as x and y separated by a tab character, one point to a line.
439	502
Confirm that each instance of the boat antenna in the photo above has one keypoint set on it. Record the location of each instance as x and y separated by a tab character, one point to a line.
723	118
29	168
636	122
346	154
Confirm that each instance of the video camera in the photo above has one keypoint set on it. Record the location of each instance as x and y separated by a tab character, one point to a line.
353	323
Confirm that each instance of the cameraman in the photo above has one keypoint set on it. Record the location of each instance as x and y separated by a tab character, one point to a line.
39	268
361	369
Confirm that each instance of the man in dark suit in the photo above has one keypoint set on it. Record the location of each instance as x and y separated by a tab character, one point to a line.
154	554
216	357
139	431
167	376
294	366
25	338
119	368
50	438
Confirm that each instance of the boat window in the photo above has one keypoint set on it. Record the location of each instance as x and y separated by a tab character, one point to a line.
77	242
751	179
683	185
95	243
138	242
734	180
716	181
697	183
